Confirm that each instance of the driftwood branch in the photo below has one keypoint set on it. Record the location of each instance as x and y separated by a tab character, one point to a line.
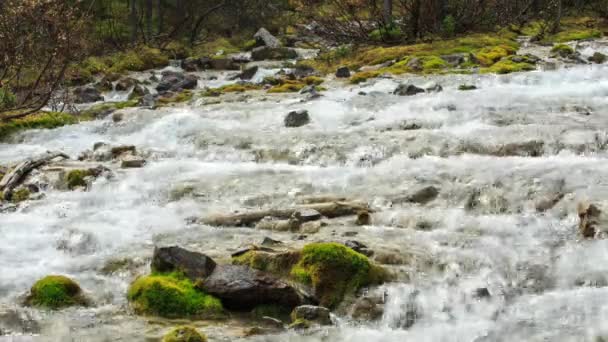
249	219
15	177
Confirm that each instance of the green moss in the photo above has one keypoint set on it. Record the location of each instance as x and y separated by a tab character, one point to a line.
433	63
183	96
313	80
490	55
231	88
184	334
20	195
287	88
300	324
562	50
276	263
576	34
55	292
171	295
363	76
138	59
249	44
334	270
42	120
507	66
76	178
214	47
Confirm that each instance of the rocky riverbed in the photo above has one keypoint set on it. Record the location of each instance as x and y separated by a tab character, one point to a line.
468	198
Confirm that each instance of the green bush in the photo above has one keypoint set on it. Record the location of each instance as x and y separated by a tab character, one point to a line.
448	26
386	34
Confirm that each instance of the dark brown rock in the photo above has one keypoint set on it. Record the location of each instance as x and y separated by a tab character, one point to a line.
193	265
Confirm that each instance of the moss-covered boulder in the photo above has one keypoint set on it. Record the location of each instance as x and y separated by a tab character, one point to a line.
171	295
184	334
562	50
331	270
55	292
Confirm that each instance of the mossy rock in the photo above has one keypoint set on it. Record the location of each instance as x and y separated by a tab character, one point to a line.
231	88
183	96
332	270
276	263
184	334
562	50
55	292
20	195
363	76
76	178
42	120
172	296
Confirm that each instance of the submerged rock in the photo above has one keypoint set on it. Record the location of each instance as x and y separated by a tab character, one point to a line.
297	118
598	58
193	265
590	219
269	53
407	90
55	292
248	73
184	334
125	84
132	162
242	288
311	313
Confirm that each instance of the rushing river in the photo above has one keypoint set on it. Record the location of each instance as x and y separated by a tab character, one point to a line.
493	154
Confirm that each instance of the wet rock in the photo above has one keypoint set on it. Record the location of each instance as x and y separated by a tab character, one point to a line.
117	117
77	242
243	288
433	88
414	64
195	64
311	313
532	148
407	90
312	227
297	118
388	257
548	202
534	278
368	308
482	293
138	91
248	73
598	58
105	84
466	87
132	162
125	84
303	70
420	195
292	224
176	81
454	59
147	101
306	215
590	219
118	151
184	334
87	94
268	53
343	72
223	64
363	218
300	324
193	265
265	38
359	247
270	242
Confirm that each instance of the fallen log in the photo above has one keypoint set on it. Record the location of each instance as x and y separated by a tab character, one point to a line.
249	219
14	177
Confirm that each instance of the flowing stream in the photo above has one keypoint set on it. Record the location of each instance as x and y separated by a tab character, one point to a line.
478	263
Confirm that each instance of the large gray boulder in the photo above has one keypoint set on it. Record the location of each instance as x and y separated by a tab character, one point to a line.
243	288
265	38
193	265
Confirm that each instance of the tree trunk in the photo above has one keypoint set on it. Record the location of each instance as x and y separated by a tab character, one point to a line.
415	19
159	14
133	20
558	16
148	13
387	12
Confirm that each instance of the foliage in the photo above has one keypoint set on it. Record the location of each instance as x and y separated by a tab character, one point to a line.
171	295
76	178
20	195
42	120
7	99
55	292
